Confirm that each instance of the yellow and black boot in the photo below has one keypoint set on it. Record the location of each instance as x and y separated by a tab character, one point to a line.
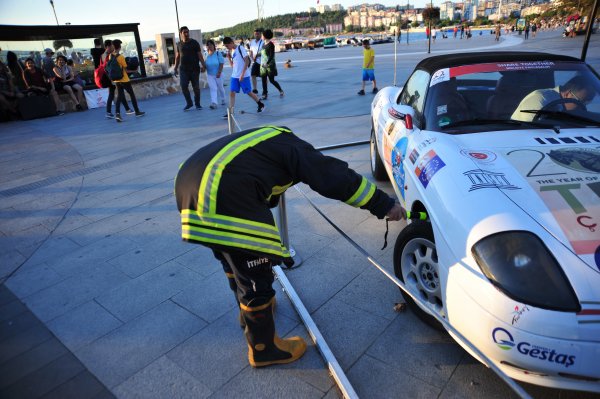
264	345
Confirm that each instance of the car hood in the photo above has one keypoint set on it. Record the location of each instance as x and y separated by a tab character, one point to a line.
554	179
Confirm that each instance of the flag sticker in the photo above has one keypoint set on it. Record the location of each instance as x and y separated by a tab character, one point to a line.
428	167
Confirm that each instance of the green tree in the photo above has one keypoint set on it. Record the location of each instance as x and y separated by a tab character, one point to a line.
432	14
62	43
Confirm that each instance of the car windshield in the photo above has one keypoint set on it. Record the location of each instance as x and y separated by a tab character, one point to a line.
518	95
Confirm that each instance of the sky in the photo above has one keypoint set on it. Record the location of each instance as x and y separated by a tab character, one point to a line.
155	16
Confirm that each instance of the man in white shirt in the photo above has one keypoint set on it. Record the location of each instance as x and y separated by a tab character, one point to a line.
575	93
256	45
240	74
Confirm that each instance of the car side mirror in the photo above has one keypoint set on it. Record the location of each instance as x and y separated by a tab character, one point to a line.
405	113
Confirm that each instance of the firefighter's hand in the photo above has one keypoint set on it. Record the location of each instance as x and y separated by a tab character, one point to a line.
396	213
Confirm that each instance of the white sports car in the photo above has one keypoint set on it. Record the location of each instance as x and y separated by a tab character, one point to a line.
502	152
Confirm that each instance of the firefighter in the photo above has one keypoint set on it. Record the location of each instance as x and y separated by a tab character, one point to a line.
225	192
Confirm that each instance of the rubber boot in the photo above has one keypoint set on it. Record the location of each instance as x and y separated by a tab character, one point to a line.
264	345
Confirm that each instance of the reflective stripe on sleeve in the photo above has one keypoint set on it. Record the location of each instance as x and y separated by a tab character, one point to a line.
363	194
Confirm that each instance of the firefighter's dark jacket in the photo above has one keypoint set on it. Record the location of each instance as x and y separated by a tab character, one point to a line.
225	190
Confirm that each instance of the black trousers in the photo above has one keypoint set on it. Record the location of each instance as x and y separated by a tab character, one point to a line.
122	87
273	82
252	276
111	97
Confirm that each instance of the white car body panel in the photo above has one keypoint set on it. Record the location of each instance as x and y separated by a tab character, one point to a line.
476	185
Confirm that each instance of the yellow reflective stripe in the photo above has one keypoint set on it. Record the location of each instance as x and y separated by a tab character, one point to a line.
234	240
278	190
230	275
230	223
363	194
256	308
207	196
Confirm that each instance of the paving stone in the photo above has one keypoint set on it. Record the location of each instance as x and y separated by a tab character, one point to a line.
30	361
10	259
58	299
22	342
83	325
162	379
46	378
83	386
390	382
201	260
29	280
372	292
150	255
139	295
125	351
11	310
433	355
17	325
348	330
6	295
210	299
53	247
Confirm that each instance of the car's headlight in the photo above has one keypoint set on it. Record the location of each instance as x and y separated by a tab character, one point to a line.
520	265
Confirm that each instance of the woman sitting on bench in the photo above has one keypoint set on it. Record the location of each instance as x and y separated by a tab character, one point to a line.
64	79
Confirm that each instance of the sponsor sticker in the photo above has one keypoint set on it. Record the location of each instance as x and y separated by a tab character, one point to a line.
429	165
398	154
413	156
440	76
485	179
479	156
518	312
505	341
442	109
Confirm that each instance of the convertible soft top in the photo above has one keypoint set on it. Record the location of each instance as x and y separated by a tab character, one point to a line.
437	62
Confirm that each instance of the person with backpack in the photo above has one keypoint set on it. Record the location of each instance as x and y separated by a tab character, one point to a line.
116	68
189	54
103	81
268	68
240	75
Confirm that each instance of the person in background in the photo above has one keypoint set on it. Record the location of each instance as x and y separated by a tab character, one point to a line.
256	46
240	75
9	96
48	63
108	49
368	71
214	70
76	76
37	58
65	79
268	68
16	68
97	52
189	55
39	84
123	84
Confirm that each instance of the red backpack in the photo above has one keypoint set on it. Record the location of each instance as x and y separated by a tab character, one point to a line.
100	76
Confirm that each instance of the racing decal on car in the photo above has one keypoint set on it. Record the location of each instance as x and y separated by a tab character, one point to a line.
429	165
501	67
589	314
414	154
396	114
568	182
506	342
567	140
398	154
439	76
485	179
518	312
479	156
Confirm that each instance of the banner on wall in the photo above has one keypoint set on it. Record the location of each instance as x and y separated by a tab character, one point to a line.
96	98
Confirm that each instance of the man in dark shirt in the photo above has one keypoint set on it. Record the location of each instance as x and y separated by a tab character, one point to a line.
189	54
97	52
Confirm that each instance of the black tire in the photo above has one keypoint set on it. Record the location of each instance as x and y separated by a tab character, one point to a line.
414	240
377	168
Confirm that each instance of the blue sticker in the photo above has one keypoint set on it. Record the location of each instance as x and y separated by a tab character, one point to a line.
398	154
428	167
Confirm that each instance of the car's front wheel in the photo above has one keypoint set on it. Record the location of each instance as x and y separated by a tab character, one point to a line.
377	167
416	265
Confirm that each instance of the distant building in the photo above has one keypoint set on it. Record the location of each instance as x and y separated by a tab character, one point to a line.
334	28
311	10
447	10
321	8
337	7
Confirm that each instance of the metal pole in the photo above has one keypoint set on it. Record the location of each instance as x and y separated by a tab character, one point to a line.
396	54
588	33
283	229
55	17
334	367
177	14
430	12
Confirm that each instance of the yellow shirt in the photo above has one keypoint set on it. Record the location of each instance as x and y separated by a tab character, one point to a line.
368	54
123	63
